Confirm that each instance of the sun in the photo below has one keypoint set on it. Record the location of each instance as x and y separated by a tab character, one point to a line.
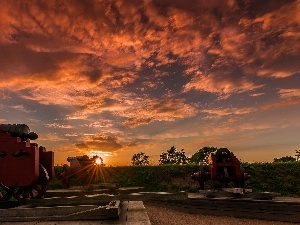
98	161
98	156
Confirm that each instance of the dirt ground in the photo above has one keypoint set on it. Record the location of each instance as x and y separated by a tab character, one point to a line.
163	216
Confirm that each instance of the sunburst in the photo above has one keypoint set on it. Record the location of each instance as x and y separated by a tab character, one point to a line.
98	161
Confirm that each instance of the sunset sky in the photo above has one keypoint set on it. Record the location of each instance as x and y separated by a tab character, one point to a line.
119	77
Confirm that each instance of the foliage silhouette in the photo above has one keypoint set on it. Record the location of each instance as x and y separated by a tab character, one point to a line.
285	159
173	156
202	155
297	155
140	159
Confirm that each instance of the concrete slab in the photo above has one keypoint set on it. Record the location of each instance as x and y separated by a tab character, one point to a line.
24	213
132	213
136	213
79	191
95	199
272	210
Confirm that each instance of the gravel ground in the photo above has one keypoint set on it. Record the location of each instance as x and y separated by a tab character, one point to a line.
162	216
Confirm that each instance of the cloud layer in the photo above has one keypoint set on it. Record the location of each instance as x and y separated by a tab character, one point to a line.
122	70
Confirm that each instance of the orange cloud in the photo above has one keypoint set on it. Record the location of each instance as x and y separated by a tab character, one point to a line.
225	129
283	103
59	126
101	142
114	65
274	41
289	93
221	85
288	97
121	35
157	110
217	113
21	108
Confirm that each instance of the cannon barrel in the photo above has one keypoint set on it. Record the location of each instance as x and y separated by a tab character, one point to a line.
18	130
222	153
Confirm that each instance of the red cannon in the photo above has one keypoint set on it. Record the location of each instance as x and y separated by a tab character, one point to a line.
25	168
223	167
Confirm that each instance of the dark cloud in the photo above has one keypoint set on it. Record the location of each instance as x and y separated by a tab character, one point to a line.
133	122
81	145
101	142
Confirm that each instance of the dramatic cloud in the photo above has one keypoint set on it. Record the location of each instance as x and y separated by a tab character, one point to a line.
158	109
222	85
289	93
101	141
104	74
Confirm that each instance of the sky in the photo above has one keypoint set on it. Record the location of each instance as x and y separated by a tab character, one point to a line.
116	77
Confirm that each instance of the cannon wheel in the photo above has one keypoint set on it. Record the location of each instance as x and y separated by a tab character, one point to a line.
33	191
6	193
36	190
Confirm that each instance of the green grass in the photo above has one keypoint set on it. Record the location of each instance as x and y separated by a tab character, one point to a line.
283	178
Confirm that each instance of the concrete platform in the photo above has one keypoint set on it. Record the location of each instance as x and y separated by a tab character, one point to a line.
80	191
131	213
276	209
132	210
25	213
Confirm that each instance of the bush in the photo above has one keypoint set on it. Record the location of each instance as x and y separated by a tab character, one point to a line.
283	178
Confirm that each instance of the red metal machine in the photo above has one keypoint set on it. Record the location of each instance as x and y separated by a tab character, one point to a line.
25	168
223	167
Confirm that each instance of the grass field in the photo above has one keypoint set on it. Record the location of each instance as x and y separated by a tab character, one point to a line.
283	178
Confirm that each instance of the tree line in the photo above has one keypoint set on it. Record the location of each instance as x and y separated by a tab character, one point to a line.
175	156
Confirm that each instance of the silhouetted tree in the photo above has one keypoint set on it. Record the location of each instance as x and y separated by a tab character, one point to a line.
285	159
173	156
202	155
297	155
140	159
